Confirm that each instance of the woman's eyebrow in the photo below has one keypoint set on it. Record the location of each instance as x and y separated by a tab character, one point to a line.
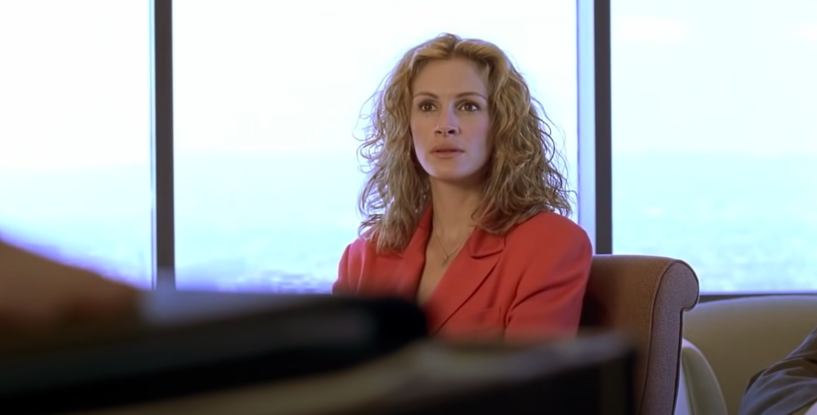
460	95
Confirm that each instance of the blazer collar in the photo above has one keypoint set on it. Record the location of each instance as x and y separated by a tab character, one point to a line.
480	243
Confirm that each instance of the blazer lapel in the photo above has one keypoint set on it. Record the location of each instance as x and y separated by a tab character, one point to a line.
463	277
406	278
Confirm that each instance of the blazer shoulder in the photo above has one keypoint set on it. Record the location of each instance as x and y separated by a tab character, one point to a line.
350	267
549	226
549	238
359	249
359	245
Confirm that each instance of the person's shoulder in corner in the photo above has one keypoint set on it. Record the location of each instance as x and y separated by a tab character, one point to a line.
787	386
39	294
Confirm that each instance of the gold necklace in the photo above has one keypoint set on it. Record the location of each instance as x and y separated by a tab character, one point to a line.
457	246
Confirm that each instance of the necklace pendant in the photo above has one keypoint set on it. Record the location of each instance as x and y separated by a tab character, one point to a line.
445	261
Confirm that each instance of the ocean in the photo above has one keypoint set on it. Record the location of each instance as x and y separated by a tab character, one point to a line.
280	223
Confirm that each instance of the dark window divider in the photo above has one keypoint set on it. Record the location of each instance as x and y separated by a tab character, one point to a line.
164	238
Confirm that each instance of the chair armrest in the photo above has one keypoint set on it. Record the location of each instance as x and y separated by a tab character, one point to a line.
644	297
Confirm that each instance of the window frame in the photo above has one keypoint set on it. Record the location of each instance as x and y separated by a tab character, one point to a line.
164	232
595	126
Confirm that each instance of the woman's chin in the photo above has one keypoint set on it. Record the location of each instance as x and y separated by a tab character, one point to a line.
453	178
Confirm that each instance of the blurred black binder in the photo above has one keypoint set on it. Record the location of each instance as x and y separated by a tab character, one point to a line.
589	375
185	342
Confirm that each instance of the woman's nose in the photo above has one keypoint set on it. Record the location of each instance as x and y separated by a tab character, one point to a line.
447	124
448	130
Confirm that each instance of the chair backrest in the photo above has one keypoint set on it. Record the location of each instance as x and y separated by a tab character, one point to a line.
644	298
740	337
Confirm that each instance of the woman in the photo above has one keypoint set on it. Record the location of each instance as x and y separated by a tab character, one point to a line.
464	209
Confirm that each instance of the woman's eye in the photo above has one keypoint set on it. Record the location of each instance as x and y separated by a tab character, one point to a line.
469	107
426	107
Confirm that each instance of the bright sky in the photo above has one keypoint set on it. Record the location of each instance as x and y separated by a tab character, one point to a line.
290	77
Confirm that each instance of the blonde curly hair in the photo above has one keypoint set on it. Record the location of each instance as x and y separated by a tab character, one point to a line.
523	174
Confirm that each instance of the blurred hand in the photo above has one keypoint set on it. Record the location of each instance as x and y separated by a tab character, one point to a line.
37	293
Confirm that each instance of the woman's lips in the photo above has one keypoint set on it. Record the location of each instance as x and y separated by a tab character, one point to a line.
446	153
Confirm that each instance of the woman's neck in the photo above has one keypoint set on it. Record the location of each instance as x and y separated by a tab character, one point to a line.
453	208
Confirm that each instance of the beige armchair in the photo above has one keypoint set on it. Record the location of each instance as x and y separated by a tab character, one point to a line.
644	297
729	341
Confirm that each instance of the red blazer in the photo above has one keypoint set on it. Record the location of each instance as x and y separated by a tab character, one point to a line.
529	282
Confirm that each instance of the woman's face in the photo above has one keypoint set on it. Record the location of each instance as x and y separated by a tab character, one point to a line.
450	121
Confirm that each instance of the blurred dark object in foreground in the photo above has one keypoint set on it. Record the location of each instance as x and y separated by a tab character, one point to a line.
257	355
589	376
183	343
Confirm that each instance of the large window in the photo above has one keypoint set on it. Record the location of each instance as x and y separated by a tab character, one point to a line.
714	150
714	139
267	101
75	132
